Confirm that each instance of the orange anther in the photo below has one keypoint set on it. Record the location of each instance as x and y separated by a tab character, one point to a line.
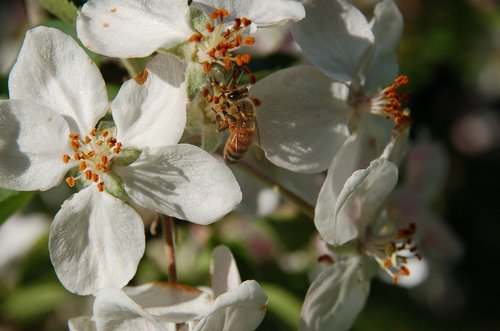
404	271
95	177
209	27
245	21
227	63
104	160
70	181
206	66
100	186
93	132
91	154
395	279
88	175
219	13
117	148
387	263
196	38
401	80
227	34
77	156
74	136
105	133
83	165
66	158
249	41
75	144
237	23
99	143
87	139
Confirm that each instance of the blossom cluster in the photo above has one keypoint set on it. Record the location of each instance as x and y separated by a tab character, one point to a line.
344	113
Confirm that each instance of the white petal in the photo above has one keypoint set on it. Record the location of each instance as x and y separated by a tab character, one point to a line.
33	140
224	271
52	70
260	12
152	112
241	309
388	29
360	201
123	28
171	302
335	298
182	181
335	37
371	136
115	311
96	241
302	122
82	323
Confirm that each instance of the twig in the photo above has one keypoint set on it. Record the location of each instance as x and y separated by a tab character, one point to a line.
168	238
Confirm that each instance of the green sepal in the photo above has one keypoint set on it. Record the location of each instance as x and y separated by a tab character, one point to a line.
199	19
196	79
113	184
63	9
12	201
107	125
126	157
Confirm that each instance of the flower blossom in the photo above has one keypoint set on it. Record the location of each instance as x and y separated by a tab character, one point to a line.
48	130
362	239
136	29
228	305
310	113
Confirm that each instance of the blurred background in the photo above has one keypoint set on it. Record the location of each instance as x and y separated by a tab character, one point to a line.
450	181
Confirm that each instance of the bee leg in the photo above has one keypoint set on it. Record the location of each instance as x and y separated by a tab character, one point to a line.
229	117
222	123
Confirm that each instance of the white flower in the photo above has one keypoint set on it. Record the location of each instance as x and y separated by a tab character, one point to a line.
137	29
229	305
49	128
307	114
361	236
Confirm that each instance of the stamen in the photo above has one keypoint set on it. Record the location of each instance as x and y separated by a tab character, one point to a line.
66	158
83	165
100	186
88	175
70	181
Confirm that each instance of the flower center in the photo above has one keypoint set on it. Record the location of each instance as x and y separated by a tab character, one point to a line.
393	254
94	154
389	103
217	42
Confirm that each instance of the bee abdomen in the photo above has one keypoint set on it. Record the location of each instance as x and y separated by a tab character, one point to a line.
236	146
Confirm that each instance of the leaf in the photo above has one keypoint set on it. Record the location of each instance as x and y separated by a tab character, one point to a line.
63	9
284	304
12	201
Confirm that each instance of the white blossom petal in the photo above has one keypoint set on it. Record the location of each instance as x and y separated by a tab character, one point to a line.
224	271
182	181
33	140
387	29
151	109
360	201
260	12
242	308
336	37
335	298
96	241
115	311
82	323
123	28
302	120
52	70
171	302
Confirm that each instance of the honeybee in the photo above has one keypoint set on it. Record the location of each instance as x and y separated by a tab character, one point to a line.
239	118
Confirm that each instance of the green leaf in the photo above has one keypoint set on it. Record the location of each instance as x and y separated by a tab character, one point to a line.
284	304
30	302
12	201
63	9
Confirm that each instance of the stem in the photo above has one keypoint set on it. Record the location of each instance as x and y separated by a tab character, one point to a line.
291	196
168	238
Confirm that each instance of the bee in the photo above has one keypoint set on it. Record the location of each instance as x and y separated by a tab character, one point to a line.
238	116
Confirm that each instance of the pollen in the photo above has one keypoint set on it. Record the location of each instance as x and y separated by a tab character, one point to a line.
390	103
94	154
216	43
